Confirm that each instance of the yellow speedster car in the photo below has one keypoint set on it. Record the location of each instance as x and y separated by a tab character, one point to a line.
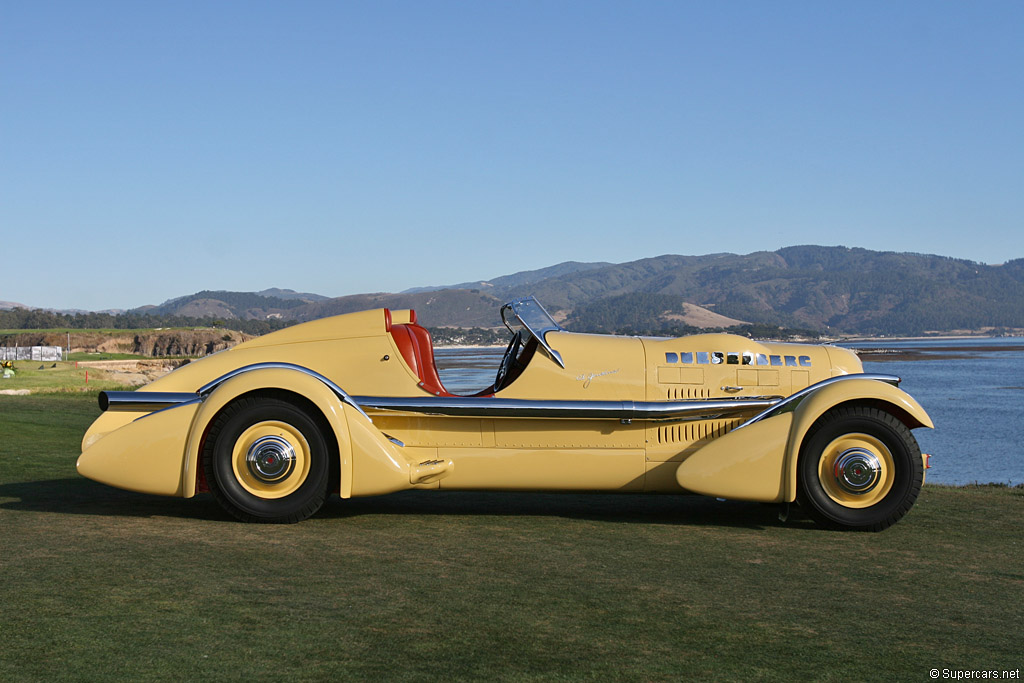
354	404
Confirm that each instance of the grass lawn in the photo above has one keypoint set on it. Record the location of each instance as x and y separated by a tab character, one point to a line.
104	355
104	584
44	377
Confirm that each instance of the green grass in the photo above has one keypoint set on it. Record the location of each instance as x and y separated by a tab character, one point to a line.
63	378
105	584
103	355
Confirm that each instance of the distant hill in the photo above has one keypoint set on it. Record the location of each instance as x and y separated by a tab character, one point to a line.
500	285
13	305
291	294
833	289
638	311
456	307
449	307
822	288
270	303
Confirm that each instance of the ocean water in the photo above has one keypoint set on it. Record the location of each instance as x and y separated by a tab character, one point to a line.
976	402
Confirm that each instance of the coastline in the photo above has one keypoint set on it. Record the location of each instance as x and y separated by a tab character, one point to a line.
881	350
882	353
450	347
930	337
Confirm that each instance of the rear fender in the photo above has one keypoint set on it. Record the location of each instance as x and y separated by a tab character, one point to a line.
144	455
379	462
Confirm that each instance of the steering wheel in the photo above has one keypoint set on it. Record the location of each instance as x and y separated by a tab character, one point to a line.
511	353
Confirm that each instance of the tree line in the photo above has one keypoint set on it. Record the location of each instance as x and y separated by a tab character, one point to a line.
38	319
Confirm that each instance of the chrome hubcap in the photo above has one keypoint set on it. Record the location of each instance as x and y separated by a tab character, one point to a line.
858	470
270	459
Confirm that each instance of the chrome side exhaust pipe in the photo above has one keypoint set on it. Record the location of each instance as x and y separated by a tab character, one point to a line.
142	401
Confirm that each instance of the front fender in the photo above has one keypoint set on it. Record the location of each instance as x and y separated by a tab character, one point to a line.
898	402
745	464
758	460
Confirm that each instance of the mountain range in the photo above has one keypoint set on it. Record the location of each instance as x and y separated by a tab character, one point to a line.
834	289
526	277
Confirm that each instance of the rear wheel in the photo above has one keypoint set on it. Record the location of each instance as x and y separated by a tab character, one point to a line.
266	460
860	468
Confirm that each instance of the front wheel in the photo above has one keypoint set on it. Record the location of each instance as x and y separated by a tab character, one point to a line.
860	469
266	460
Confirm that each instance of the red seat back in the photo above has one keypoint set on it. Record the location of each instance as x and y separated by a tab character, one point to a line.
416	347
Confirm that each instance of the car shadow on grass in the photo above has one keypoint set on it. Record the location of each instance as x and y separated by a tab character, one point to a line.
79	496
618	508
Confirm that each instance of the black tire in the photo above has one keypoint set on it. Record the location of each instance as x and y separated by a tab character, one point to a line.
838	483
249	467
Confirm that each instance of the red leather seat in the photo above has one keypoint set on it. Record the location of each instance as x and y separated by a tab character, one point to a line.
416	347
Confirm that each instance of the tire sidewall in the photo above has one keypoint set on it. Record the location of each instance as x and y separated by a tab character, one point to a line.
907	469
250	506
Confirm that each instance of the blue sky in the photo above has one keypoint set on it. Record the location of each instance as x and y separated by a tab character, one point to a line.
150	150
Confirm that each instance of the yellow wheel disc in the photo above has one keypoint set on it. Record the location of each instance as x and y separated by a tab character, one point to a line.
856	470
271	459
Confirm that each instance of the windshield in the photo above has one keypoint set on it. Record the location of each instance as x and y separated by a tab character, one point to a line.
529	314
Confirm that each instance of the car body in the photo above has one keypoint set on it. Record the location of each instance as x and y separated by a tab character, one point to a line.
354	404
